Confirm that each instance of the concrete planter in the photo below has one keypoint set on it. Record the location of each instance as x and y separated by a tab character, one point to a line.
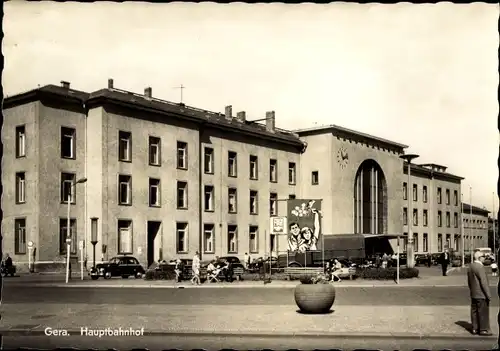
314	298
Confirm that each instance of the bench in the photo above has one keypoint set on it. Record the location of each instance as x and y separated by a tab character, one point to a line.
295	272
237	273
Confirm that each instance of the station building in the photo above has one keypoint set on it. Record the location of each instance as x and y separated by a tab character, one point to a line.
164	180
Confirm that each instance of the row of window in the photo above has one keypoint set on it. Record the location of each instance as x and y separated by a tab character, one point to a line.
20	246
125	237
425	218
424	194
477	240
67	142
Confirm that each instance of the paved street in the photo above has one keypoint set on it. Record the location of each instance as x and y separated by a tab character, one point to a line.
246	343
395	296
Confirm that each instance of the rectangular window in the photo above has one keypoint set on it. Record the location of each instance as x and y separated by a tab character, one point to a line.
232	239
232	164
20	188
254	202
208	238
440	219
125	237
426	243
232	200
154	192
63	236
405	242
405	191
405	216
124	146
209	160
315	177
124	189
440	242
455	197
182	155
448	241
415	217
455	220
68	136
273	204
20	141
292	173
67	190
424	194
20	236
457	241
182	195
209	198
439	197
415	192
273	171
154	151
253	236
448	224
254	167
181	230
426	218
292	196
415	242
448	201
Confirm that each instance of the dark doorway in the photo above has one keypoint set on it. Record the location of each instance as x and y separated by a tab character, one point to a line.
153	231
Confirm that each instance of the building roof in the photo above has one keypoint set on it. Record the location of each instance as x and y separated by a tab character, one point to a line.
155	105
332	128
429	172
478	210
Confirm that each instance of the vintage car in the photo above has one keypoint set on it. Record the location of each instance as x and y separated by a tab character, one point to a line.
119	266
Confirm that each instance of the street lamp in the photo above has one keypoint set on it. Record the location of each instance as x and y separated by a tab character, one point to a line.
409	248
93	233
68	224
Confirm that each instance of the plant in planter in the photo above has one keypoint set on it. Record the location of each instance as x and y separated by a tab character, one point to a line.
314	294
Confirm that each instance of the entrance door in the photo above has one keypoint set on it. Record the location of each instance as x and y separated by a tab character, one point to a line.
153	230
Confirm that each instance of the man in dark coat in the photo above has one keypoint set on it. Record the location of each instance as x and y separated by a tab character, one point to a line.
479	289
445	261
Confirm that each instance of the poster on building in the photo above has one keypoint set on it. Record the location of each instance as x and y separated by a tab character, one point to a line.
304	225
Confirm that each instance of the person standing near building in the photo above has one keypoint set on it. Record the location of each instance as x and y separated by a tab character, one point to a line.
196	269
445	261
479	289
246	262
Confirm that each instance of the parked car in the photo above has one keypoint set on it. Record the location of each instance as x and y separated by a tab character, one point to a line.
235	261
119	266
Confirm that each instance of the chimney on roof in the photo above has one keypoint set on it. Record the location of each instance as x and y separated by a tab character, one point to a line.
65	84
148	92
229	112
241	116
270	121
110	83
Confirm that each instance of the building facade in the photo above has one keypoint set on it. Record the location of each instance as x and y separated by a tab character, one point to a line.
435	206
475	222
165	180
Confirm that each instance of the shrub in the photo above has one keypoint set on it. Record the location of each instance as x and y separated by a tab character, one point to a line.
155	274
306	279
257	277
386	273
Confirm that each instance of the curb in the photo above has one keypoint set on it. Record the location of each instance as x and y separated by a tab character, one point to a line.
269	286
260	334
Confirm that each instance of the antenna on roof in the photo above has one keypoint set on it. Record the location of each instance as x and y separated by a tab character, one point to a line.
181	87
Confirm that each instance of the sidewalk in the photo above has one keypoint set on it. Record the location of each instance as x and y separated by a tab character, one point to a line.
350	321
457	280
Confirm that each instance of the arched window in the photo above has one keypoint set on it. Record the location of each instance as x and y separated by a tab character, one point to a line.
370	199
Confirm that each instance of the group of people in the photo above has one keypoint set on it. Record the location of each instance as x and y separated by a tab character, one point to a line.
214	268
333	269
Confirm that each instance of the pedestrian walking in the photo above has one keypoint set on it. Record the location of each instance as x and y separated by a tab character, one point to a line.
385	259
429	260
494	269
445	261
246	261
479	289
196	269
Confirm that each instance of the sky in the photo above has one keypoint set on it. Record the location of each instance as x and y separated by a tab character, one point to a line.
422	75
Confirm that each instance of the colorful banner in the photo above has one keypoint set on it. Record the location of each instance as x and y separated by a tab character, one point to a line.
304	225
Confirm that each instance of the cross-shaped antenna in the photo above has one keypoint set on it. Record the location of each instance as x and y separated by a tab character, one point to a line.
182	87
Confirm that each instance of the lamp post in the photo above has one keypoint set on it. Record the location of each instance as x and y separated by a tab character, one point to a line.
68	224
93	240
409	248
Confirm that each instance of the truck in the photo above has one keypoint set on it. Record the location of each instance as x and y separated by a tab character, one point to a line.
341	246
